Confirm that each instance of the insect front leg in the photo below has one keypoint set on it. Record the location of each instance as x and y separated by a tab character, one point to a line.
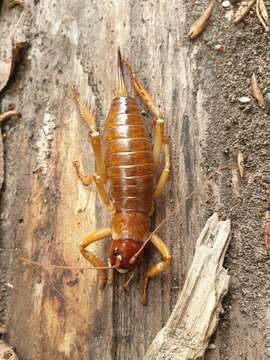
149	103
159	267
89	117
99	178
93	259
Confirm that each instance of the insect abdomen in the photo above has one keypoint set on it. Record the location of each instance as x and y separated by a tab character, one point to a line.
128	157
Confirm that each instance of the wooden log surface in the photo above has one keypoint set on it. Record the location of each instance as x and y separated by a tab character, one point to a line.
45	213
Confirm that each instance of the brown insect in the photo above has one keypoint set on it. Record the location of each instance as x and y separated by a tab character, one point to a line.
126	167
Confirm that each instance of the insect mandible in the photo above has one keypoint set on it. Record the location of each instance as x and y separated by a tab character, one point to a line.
126	167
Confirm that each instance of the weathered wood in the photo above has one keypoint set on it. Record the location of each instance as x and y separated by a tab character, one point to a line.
195	316
77	42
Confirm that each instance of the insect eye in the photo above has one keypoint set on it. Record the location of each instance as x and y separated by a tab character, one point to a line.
115	252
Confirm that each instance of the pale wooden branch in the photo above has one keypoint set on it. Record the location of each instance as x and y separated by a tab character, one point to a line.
6	352
195	316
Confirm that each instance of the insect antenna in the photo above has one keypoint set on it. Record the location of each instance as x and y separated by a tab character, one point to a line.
63	267
121	89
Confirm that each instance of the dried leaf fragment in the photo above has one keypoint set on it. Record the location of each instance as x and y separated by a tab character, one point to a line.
267	232
243	10
12	3
7	67
240	163
200	24
262	13
256	91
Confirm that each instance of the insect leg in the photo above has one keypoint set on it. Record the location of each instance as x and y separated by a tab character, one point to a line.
87	180
93	259
88	116
165	172
159	267
149	103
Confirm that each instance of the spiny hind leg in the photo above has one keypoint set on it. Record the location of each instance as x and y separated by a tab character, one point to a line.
149	103
88	116
165	172
159	267
93	259
87	180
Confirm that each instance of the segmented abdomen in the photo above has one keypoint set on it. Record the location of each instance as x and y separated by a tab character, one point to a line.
128	157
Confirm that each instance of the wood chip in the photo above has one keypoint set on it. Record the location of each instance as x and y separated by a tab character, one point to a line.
262	13
256	91
243	10
240	163
200	24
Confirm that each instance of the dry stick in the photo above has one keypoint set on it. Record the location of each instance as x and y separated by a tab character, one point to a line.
198	187
262	14
194	319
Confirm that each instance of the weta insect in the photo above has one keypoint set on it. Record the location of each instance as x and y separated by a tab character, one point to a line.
125	178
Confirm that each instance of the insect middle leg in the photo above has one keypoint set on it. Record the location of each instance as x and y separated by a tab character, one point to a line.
165	172
93	259
149	103
87	180
159	267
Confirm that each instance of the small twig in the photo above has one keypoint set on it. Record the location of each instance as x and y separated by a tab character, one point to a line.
8	114
262	14
243	10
